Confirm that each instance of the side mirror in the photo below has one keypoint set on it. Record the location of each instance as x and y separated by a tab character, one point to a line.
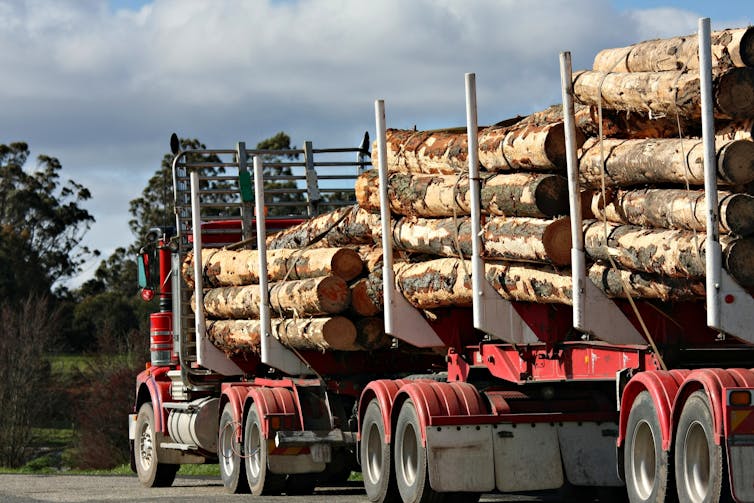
145	276
143	270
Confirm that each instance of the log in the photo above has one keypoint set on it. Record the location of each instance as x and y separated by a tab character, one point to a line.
531	147
501	148
734	130
370	334
361	303
512	194
445	237
347	226
510	238
643	285
241	267
442	283
639	162
675	209
667	93
528	239
529	283
321	334
435	283
617	124
729	48
305	297
666	252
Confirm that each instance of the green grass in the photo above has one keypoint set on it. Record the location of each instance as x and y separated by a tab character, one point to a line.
66	364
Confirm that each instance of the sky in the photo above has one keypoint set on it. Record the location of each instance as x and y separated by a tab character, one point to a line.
101	84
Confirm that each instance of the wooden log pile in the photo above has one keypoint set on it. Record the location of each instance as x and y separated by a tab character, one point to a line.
652	216
638	133
309	298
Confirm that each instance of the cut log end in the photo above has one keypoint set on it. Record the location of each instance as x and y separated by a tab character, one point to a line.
739	214
340	334
361	302
739	261
551	196
746	48
557	241
555	145
735	93
736	162
347	264
333	294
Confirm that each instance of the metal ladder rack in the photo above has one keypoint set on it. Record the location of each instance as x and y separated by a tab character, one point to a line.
309	181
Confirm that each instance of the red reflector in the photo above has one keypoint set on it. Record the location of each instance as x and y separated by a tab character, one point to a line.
739	398
729	299
147	294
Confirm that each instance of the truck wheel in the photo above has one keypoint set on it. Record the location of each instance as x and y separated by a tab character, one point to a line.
411	459
647	465
261	481
376	465
700	470
151	472
229	457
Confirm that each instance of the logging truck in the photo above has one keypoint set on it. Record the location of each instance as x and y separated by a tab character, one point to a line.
499	360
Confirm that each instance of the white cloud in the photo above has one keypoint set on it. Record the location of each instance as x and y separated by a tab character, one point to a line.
103	89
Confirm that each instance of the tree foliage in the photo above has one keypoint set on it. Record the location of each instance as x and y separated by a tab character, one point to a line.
26	333
42	223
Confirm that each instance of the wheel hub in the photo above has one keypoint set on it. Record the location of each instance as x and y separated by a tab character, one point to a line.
643	461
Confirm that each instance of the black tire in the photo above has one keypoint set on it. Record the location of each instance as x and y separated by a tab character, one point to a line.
375	455
700	468
261	481
647	466
410	456
151	472
229	451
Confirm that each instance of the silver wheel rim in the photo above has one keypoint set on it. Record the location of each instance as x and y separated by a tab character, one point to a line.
643	460
146	446
374	454
696	463
227	461
409	454
254	452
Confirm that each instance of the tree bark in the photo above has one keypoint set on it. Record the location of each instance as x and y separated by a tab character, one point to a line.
532	147
512	194
666	252
529	283
241	267
321	334
675	209
435	283
638	162
729	48
346	226
528	240
668	93
617	124
643	285
305	297
370	334
501	148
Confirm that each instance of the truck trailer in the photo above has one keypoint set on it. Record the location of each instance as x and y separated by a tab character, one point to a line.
652	398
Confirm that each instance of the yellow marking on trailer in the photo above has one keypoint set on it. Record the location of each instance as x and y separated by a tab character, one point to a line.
737	417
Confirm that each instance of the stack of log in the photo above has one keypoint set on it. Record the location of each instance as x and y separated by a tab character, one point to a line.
308	295
652	213
638	125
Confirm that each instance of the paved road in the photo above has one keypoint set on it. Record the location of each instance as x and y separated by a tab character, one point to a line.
75	488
